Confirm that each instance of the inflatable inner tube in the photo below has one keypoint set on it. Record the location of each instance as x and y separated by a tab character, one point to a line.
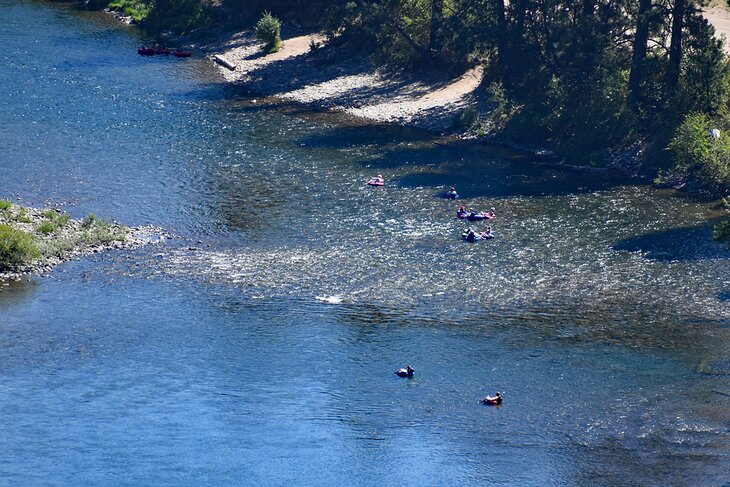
407	372
475	237
472	237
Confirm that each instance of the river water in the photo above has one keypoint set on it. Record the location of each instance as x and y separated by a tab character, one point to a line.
258	346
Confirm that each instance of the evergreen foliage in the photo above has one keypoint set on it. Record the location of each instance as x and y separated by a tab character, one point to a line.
268	31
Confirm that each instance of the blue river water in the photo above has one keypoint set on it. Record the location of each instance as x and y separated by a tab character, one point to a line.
257	347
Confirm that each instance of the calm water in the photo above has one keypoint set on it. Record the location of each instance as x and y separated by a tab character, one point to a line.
258	346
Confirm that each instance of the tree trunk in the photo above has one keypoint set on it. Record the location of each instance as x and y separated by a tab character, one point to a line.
515	66
519	22
437	13
588	44
671	78
423	51
641	37
501	35
588	7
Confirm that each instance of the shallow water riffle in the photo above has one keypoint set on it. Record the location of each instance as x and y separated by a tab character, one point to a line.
258	345
179	380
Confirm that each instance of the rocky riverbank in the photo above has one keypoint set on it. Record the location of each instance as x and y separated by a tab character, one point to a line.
34	241
325	76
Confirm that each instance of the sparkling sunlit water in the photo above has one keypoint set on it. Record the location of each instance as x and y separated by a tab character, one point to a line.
258	346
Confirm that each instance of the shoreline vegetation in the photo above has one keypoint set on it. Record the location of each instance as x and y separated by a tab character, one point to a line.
33	241
633	86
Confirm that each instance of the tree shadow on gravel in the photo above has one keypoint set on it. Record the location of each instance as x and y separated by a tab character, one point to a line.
677	244
331	62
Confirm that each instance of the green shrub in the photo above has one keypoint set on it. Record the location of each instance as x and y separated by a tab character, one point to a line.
466	119
503	106
5	205
46	227
103	232
16	247
63	220
50	214
88	221
57	246
698	157
22	215
138	10
721	233
268	31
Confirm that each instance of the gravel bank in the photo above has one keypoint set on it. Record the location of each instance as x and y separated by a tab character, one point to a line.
56	238
307	70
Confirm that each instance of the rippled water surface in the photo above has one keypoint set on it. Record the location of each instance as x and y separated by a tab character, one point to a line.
258	346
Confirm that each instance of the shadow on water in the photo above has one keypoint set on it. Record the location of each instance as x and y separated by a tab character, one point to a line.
218	92
517	180
490	171
369	135
15	292
474	169
250	106
676	244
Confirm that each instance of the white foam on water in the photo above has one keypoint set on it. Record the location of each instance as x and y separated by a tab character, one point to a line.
330	299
